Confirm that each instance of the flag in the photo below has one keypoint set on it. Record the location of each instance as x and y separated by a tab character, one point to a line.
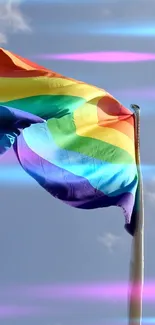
77	141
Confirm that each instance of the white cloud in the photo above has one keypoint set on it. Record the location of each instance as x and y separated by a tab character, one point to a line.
110	241
12	19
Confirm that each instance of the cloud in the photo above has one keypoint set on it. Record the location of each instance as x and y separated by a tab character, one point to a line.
110	241
12	19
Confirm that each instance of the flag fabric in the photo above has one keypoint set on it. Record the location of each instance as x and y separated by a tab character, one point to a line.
76	140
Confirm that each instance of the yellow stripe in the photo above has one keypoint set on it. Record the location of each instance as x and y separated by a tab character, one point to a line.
86	121
17	88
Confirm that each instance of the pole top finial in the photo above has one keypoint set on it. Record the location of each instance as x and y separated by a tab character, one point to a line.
135	107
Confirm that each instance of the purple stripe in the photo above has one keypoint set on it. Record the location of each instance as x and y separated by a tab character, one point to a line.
12	119
73	190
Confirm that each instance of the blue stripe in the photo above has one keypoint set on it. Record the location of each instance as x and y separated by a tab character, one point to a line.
14	174
111	179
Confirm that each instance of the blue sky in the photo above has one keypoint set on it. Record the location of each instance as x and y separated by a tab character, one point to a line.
43	241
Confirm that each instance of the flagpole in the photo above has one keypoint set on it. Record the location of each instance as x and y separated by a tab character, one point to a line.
137	258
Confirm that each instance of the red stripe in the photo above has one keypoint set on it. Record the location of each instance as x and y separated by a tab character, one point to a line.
11	69
113	115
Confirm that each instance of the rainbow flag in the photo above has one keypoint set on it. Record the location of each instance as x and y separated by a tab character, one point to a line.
76	140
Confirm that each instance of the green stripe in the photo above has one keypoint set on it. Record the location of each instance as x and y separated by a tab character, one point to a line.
64	134
47	106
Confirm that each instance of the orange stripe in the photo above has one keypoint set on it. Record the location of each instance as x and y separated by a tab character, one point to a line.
29	63
8	60
113	107
86	122
10	73
121	126
23	73
14	66
112	114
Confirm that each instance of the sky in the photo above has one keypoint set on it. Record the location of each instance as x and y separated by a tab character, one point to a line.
42	241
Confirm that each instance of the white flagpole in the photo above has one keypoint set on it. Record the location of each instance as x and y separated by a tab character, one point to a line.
137	259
